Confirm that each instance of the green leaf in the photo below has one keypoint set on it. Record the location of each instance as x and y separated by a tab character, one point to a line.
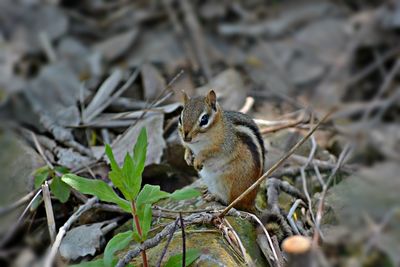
110	155
116	175
176	260
185	193
139	159
60	189
97	188
118	242
145	221
144	215
128	171
150	194
40	176
62	169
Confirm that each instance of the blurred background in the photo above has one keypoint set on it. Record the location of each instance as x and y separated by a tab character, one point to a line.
75	75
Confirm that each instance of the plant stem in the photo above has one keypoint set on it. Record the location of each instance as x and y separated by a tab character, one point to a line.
139	229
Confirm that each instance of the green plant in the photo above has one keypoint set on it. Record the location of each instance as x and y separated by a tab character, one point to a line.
59	189
138	202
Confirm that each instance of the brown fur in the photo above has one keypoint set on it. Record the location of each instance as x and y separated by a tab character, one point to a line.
244	166
241	176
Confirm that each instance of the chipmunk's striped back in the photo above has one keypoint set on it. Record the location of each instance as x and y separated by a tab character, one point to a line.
247	131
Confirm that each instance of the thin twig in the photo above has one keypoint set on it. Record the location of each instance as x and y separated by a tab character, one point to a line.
63	230
18	203
49	211
167	244
117	94
275	166
303	177
180	34
182	211
383	88
47	47
198	40
271	244
233	239
15	226
197	218
247	105
183	240
276	128
290	216
347	149
40	150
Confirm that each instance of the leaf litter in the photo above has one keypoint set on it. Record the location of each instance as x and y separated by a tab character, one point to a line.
69	73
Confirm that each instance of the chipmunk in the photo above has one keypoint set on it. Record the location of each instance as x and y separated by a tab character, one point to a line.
225	147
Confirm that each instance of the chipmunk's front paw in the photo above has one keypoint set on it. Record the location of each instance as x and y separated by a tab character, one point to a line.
198	164
189	158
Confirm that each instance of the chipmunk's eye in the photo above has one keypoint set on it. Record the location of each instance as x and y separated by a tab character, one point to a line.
204	120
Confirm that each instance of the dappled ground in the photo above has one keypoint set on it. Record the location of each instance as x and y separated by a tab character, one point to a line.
76	75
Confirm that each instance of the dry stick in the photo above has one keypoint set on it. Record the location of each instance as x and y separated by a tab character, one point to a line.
156	102
18	203
118	93
183	211
291	212
39	148
341	159
63	230
372	67
180	34
381	110
384	87
271	244
378	59
247	105
47	46
283	126
15	226
276	165
233	239
183	240
303	178
167	244
49	211
198	40
277	248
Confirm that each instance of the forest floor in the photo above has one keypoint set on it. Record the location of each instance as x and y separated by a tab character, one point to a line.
76	75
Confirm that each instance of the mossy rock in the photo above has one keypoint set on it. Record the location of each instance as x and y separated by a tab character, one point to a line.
215	250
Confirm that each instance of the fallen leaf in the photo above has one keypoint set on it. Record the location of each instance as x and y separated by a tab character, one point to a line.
156	142
117	45
229	87
82	241
55	92
153	81
372	193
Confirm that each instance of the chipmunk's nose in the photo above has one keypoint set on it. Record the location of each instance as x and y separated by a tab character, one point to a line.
186	137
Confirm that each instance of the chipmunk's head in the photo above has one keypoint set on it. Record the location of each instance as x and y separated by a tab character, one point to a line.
198	116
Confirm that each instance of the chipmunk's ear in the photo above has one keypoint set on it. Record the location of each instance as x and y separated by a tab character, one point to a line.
211	99
185	97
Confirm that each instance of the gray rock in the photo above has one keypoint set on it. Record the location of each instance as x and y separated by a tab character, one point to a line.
18	161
